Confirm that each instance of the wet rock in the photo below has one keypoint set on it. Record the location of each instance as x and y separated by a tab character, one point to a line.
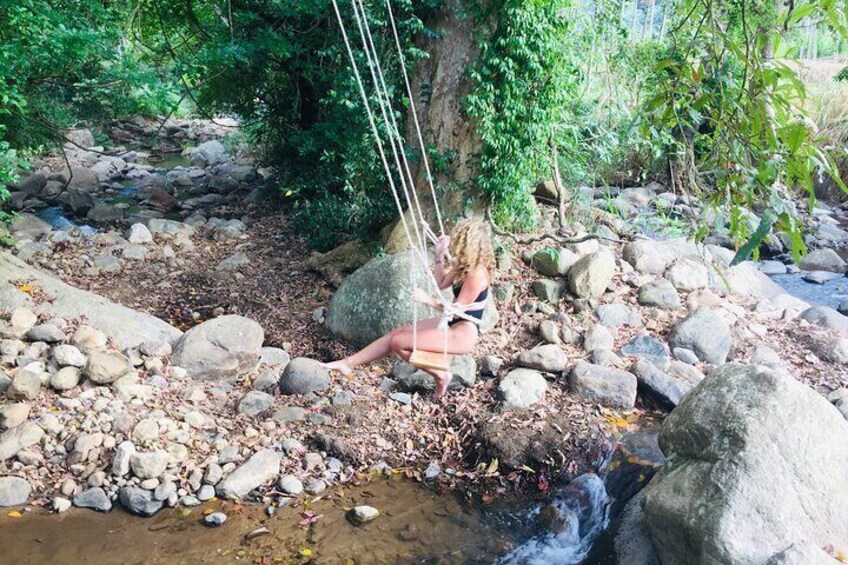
660	294
14	491
139	501
549	358
303	376
219	349
215	519
68	356
704	332
103	213
254	403
522	388
825	317
290	484
104	367
605	385
648	348
632	540
823	260
728	423
262	467
590	276
361	515
94	498
13	415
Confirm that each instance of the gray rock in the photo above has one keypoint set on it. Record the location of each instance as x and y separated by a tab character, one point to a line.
772	268
819	277
375	298
590	276
65	378
18	438
233	262
553	262
550	332
103	213
139	234
134	252
303	376
94	498
155	348
704	332
616	315
687	275
165	491
432	471
548	290
254	403
290	484
522	388
685	355
802	554
343	398
262	467
361	515
219	349
315	486
825	317
633	544
61	505
401	397
648	257
121	460
549	358
139	501
598	337
47	333
765	355
13	415
149	465
606	358
660	294
14	491
206	492
605	385
289	414
648	348
104	367
716	498
668	390
68	356
27	383
273	357
208	154
215	519
491	365
29	226
823	260
410	379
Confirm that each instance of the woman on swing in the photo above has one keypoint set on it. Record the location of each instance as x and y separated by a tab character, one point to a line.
469	273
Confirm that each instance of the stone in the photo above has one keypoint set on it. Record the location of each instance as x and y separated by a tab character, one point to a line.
68	356
105	367
208	154
706	333
605	385
94	498
617	315
401	397
716	498
18	438
88	338
765	355
823	260
491	365
13	415
361	515
648	348
134	252
146	431
121	459
254	403
14	491
303	376
685	355
374	299
548	358
315	486
548	290
553	262
233	262
772	268
633	544
262	467
61	505
23	319
411	379
290	484
26	384
825	317
521	388
213	474
590	276
550	332
660	294
289	414
81	138
155	348
219	349
648	257
274	357
206	492
149	465
214	519
598	336
47	333
139	234
666	389
802	554
139	501
165	491
65	378
343	398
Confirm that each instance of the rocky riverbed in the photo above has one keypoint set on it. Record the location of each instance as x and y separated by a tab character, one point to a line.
106	406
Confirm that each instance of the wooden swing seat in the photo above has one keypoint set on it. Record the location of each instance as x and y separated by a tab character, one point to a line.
430	360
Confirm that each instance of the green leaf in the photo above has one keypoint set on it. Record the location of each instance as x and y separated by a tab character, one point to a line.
755	240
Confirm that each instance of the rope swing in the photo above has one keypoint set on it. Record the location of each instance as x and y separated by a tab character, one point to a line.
419	232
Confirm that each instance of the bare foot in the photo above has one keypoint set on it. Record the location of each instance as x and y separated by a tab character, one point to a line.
443	381
339	366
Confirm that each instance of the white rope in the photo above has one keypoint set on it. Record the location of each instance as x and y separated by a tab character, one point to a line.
415	117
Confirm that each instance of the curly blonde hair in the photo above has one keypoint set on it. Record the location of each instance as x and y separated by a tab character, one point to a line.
471	248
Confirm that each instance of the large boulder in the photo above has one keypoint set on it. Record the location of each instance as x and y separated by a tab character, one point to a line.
590	276
704	332
208	154
648	257
605	385
377	298
219	349
126	327
823	260
262	467
743	480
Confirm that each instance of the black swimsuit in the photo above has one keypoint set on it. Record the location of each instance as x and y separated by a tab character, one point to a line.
472	313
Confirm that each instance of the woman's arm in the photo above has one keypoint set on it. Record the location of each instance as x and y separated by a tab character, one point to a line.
444	277
475	283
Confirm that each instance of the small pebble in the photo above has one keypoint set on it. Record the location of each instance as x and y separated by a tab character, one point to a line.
215	519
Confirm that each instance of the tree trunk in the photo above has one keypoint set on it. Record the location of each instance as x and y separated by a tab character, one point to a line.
439	85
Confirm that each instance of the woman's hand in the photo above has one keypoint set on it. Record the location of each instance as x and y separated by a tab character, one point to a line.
442	244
